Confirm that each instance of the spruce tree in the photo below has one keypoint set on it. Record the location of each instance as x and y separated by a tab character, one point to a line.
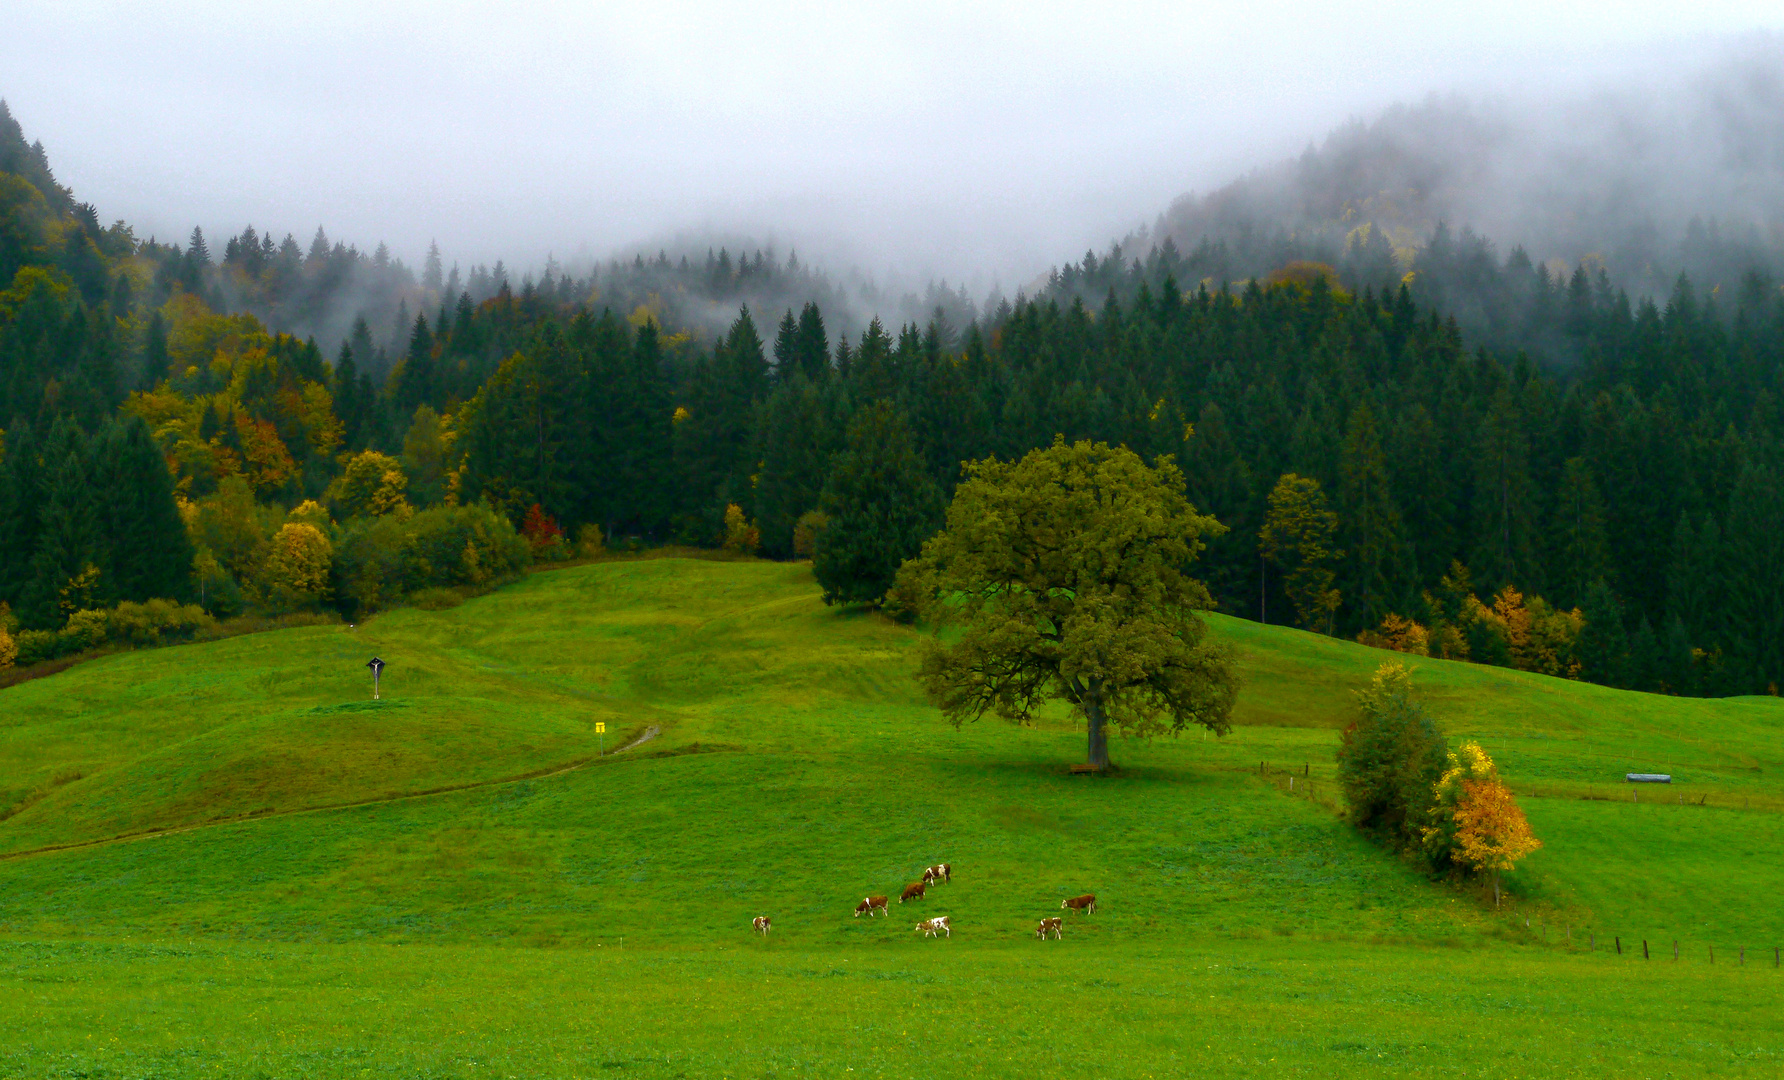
1604	644
1754	543
1371	522
415	382
67	563
1582	549
1504	509
811	350
21	503
150	555
881	504
786	347
1644	658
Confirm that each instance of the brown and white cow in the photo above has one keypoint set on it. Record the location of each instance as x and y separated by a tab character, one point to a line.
870	905
1051	924
913	891
1085	903
761	923
938	872
937	925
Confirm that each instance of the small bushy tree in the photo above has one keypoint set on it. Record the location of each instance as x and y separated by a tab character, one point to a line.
741	534
806	532
371	485
1390	757
1468	764
1492	834
294	572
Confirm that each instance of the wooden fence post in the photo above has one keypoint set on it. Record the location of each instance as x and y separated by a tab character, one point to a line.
1712	954
1619	942
1645	955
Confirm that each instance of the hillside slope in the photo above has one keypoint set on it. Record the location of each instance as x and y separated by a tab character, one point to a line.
796	769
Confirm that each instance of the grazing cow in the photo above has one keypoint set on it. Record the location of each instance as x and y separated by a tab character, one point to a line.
870	905
937	925
1085	903
913	891
938	872
761	923
1053	924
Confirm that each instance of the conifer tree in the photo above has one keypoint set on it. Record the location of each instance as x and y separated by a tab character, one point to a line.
1754	543
881	506
415	382
1604	644
786	347
1504	512
1371	521
66	569
21	502
811	349
1582	550
149	553
1298	536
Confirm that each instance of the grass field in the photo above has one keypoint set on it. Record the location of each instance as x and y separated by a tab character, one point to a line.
223	859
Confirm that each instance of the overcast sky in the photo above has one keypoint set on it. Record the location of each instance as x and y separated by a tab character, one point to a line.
971	140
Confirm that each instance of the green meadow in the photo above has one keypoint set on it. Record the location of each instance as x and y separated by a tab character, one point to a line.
226	860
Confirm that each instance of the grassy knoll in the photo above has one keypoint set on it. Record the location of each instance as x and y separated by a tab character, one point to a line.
249	854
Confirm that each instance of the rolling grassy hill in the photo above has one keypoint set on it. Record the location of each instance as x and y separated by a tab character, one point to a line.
239	815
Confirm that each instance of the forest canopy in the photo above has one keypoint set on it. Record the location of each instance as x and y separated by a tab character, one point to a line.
1483	459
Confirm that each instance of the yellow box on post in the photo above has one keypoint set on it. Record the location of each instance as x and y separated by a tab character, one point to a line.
601	730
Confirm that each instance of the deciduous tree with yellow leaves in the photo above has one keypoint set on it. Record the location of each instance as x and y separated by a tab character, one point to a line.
1492	834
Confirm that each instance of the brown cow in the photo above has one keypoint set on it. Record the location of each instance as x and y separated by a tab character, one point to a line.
1053	923
1085	903
761	924
870	905
938	872
913	891
937	925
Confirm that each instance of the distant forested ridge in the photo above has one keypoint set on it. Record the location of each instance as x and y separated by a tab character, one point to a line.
1380	470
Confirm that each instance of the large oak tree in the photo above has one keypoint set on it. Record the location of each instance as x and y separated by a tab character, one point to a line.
1067	576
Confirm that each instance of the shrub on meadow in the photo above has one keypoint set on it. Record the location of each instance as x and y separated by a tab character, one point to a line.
154	622
381	560
590	543
1469	764
1390	757
36	646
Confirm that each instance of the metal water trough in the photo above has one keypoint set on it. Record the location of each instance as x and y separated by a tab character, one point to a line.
1648	777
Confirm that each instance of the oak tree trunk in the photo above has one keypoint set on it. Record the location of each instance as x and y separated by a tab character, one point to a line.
1099	736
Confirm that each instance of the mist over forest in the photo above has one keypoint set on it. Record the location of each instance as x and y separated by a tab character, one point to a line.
1646	178
1515	363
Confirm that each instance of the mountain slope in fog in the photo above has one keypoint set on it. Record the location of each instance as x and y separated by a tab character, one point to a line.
1680	172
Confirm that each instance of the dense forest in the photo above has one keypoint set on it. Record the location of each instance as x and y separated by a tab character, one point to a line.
1583	483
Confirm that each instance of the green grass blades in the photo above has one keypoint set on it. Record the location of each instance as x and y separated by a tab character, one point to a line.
1185	1006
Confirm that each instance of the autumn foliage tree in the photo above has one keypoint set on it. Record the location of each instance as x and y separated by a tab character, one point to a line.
542	533
294	572
1492	834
